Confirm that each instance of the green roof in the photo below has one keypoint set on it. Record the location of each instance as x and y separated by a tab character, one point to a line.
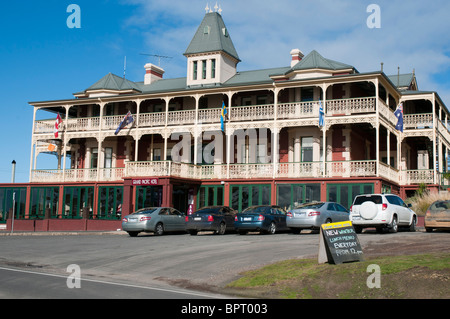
404	80
315	61
212	35
114	82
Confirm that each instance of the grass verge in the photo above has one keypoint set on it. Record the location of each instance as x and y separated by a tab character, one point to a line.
422	276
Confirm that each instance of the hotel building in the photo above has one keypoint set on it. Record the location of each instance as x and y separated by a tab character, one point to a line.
273	148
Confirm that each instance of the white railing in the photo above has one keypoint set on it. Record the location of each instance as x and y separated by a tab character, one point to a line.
418	121
252	112
351	169
298	110
236	171
152	119
418	176
350	106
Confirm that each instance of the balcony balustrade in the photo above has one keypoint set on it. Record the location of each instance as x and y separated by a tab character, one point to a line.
236	171
265	112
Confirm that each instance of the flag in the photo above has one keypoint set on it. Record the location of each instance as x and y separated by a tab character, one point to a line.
128	119
222	116
57	124
321	115
399	114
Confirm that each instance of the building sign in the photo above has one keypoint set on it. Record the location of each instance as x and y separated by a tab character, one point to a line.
339	243
146	182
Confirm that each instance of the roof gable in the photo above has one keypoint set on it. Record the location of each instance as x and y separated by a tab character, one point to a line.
212	35
316	61
113	82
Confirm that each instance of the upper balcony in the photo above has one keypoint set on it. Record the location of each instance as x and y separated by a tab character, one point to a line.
249	113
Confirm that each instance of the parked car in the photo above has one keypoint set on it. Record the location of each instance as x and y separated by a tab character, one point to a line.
312	215
154	219
382	211
267	219
438	216
212	218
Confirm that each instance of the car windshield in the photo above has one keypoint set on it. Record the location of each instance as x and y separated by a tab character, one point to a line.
440	205
257	209
310	205
374	199
209	210
145	211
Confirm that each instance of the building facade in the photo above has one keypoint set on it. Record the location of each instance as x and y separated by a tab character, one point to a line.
314	130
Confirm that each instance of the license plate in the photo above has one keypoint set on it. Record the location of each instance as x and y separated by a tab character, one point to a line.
299	214
133	220
197	218
247	219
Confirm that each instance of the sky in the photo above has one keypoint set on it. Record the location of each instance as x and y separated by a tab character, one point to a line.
42	59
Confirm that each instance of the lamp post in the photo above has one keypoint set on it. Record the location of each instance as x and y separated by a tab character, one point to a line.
13	179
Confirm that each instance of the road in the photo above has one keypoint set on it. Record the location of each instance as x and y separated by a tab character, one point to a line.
115	265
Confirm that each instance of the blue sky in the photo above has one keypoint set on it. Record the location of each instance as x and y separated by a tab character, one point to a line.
42	59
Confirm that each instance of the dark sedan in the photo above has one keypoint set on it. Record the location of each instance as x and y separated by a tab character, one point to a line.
267	219
212	218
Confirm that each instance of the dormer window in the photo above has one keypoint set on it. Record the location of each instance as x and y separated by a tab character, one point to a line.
194	75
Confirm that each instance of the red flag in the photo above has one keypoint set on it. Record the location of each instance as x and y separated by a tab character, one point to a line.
57	123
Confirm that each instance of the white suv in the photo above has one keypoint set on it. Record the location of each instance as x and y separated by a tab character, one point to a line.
381	211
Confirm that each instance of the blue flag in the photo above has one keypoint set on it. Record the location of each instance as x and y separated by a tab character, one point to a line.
222	116
399	114
321	115
128	119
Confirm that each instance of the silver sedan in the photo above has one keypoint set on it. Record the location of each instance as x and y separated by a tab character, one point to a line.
312	215
154	219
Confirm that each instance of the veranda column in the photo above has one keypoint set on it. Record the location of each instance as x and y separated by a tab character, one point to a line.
99	156
434	139
275	150
65	141
32	143
377	97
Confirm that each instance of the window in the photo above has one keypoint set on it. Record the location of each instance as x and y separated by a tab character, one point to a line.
157	154
94	158
44	200
7	197
195	66
78	200
213	68
210	196
204	69
110	202
148	196
307	95
243	196
345	193
293	195
108	157
307	149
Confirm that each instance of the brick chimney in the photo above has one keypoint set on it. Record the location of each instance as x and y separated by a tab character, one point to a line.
297	56
153	73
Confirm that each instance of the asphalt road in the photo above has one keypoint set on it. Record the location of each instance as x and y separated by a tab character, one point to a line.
169	267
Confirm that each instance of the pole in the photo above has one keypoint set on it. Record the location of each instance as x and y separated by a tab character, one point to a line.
13	212
13	175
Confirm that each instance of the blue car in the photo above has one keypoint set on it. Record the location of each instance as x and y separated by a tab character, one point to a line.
265	219
213	218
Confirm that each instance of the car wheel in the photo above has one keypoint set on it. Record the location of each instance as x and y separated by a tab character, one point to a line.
393	227
412	227
159	229
222	228
133	233
272	229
